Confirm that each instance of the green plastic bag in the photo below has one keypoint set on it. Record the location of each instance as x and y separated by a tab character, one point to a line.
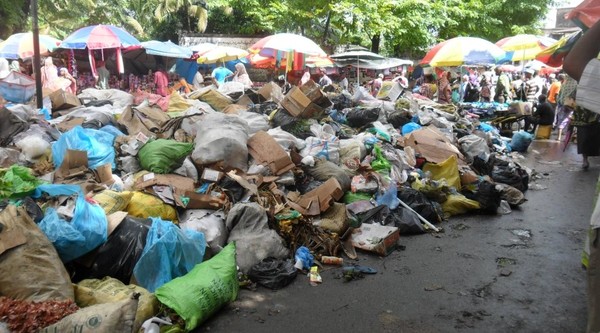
163	156
204	290
17	182
350	197
380	163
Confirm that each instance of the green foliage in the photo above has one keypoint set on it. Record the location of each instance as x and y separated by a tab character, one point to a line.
13	17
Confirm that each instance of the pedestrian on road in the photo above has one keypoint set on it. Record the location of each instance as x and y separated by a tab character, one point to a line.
582	65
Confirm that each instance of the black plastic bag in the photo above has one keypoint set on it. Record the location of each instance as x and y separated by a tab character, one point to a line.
234	191
273	273
265	108
117	257
428	209
488	197
341	101
359	117
398	119
282	118
407	222
514	176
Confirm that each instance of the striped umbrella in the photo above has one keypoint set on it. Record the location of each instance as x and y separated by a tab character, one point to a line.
524	46
20	46
464	51
555	54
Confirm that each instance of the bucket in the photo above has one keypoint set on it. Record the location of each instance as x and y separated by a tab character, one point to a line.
543	132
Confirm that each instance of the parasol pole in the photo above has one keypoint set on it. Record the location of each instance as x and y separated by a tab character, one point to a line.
357	71
36	55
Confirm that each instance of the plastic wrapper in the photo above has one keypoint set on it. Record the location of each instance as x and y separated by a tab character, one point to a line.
273	273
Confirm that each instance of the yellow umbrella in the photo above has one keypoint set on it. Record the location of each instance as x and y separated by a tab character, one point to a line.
222	54
524	46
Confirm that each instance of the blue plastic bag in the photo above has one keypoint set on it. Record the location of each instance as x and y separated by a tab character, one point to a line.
389	197
486	127
409	127
86	231
303	255
98	144
521	141
169	253
110	129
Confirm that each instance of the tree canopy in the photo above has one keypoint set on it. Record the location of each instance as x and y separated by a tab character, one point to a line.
406	28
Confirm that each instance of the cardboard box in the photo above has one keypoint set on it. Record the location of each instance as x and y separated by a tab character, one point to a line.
265	150
295	102
315	94
389	91
271	91
432	145
63	100
74	164
211	175
376	238
104	174
318	200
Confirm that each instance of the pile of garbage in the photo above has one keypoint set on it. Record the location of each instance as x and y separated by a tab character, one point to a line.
125	212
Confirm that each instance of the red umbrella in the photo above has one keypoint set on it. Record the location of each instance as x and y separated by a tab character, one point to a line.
586	14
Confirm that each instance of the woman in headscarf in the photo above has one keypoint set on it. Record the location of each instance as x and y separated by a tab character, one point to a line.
428	88
49	73
70	84
241	75
472	89
486	89
445	89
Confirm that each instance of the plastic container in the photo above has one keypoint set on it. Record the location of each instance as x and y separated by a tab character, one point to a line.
329	260
17	88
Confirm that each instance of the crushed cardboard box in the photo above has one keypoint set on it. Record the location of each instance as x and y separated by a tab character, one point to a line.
318	200
432	145
376	238
299	105
265	150
62	100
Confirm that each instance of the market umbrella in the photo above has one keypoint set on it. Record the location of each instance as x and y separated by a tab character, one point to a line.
464	51
354	57
222	54
166	49
524	46
258	61
20	46
555	54
202	48
586	14
270	46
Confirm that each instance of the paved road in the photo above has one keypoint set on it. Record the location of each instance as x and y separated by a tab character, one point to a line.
454	281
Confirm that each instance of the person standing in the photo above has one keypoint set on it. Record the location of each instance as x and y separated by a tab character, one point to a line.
532	89
49	73
324	81
445	89
502	90
344	82
582	64
198	82
554	89
428	88
486	89
462	89
70	82
161	81
103	76
241	76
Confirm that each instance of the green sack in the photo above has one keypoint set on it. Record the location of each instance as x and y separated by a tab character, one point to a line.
204	290
380	163
163	156
17	182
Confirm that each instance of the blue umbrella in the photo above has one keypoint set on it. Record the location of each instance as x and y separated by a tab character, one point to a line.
166	49
99	37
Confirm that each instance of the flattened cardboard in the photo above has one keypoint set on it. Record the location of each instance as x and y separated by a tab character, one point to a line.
62	100
74	163
431	144
295	102
265	150
318	200
271	91
69	123
204	201
104	174
175	181
375	238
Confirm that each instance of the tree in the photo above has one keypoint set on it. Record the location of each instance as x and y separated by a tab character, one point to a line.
14	14
196	11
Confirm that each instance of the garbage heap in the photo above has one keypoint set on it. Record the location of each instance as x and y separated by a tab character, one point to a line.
132	211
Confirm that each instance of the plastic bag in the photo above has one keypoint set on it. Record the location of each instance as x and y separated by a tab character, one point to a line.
447	170
33	147
323	170
204	290
457	204
117	257
256	122
511	195
112	201
97	144
169	253
115	317
222	138
31	271
285	139
109	290
324	143
389	197
512	175
410	127
249	229
380	163
273	273
210	222
17	182
429	210
360	117
163	156
146	205
87	229
521	141
304	259
473	145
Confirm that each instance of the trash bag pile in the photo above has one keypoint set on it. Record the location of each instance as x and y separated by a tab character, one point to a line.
151	214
